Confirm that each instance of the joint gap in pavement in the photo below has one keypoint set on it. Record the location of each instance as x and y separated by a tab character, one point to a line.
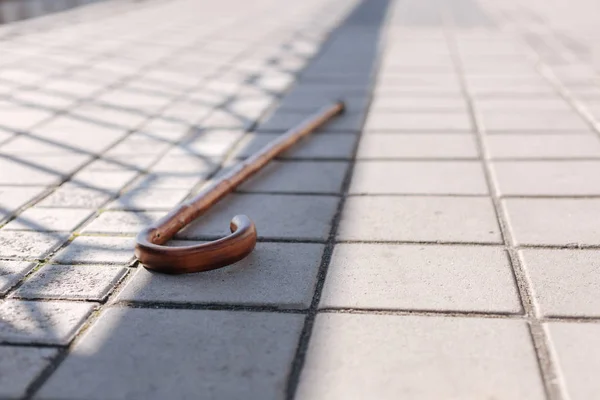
540	342
55	364
306	333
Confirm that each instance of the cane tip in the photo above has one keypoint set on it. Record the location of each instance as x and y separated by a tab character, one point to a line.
341	104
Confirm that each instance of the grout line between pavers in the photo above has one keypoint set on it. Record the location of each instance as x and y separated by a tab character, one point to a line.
540	341
305	336
38	382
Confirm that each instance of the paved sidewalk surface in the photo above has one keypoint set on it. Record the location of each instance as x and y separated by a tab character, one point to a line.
441	240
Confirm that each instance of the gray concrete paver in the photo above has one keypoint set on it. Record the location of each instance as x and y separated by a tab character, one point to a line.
418	177
360	356
260	348
298	217
277	274
469	116
419	219
19	366
417	277
565	282
576	350
47	322
71	282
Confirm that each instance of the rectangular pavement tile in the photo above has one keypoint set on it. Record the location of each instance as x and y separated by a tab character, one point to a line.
238	355
149	198
298	177
390	357
19	366
29	244
577	349
41	322
279	274
547	178
430	219
276	216
49	219
122	222
542	122
558	222
565	282
385	103
411	145
420	277
543	146
418	177
11	273
71	282
322	145
281	121
418	121
96	250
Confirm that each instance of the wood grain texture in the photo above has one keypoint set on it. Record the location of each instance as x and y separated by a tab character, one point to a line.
150	248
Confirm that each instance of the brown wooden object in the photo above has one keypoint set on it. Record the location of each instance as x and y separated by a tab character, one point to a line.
150	249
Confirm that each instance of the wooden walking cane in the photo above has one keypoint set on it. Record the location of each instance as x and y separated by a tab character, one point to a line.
150	249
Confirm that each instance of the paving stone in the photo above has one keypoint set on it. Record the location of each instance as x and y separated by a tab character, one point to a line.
74	196
19	366
148	198
418	177
140	143
41	322
389	103
280	274
543	146
422	121
185	166
281	121
565	282
21	117
546	103
11	273
417	277
308	102
417	82
119	163
538	122
108	115
102	180
14	197
298	177
164	180
16	170
96	250
576	348
548	178
123	222
77	134
276	216
221	119
559	222
45	219
388	146
387	357
71	282
254	350
135	101
29	244
430	219
317	146
210	143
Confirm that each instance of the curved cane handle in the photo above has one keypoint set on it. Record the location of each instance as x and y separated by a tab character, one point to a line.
199	257
219	253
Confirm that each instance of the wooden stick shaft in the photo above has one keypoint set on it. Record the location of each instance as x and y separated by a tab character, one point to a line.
177	219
